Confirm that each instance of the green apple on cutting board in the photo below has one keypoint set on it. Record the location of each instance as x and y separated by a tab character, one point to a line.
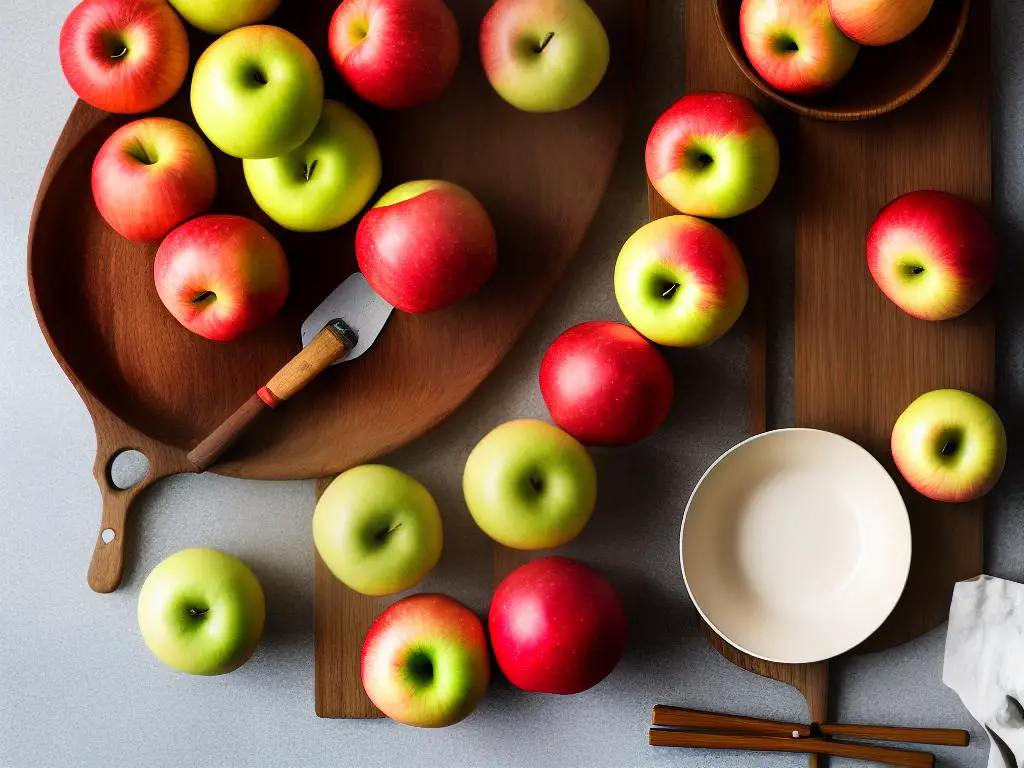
529	485
220	16
425	661
680	281
201	611
324	182
950	445
257	92
543	55
377	529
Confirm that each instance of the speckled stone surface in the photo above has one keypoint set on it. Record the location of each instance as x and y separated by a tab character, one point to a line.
79	688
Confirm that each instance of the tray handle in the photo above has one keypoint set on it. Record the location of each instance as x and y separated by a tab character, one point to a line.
107	565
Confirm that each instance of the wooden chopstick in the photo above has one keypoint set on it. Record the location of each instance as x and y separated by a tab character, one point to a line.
702	740
677	717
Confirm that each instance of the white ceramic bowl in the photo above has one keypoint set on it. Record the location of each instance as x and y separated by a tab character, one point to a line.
795	545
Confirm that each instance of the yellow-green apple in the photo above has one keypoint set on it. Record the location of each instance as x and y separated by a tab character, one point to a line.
556	626
605	384
949	445
543	55
220	16
221	276
529	485
326	180
150	176
377	529
712	154
124	56
257	92
425	661
878	22
425	245
795	45
201	611
395	53
934	254
680	281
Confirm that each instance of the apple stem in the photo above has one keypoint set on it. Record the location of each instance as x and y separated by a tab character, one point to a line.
545	41
197	613
388	531
536	483
201	297
667	293
309	170
119	54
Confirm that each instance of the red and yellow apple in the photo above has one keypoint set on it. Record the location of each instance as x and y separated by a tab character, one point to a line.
950	445
150	176
425	661
795	45
395	53
605	384
712	154
680	281
221	276
425	245
878	22
543	55
932	253
125	56
557	626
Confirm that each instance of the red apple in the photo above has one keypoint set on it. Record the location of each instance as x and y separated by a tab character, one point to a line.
605	384
124	56
556	626
425	245
395	53
221	276
425	661
795	45
150	176
932	253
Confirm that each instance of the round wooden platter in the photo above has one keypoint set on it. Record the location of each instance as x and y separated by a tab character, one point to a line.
151	385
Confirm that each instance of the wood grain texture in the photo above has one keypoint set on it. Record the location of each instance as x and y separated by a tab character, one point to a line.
341	620
227	433
859	359
882	78
139	372
326	347
885	755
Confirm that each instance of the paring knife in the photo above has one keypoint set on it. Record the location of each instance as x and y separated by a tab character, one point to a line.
342	328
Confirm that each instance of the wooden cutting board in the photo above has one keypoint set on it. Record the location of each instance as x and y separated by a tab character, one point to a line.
858	359
342	617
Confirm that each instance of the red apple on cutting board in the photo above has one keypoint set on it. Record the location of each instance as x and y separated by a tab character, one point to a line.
425	245
150	176
395	53
605	384
221	276
795	45
124	56
425	661
556	626
933	253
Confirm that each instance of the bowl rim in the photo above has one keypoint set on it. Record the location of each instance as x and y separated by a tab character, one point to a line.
904	519
840	114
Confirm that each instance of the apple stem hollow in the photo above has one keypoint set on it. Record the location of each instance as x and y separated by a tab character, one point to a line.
197	613
545	41
203	297
671	289
536	483
308	171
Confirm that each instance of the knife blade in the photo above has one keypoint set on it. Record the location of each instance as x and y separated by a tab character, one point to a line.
342	328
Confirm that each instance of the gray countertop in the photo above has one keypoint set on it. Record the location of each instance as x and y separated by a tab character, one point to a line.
79	688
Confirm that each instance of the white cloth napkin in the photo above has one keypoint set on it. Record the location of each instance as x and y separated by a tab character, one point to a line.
984	662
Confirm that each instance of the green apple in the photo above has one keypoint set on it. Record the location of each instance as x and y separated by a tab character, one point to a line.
257	92
529	485
323	183
543	55
377	530
220	16
949	445
201	611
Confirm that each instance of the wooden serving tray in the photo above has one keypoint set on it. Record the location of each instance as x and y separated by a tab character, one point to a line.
860	360
151	385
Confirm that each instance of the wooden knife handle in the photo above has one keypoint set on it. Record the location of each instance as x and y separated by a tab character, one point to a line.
328	346
885	755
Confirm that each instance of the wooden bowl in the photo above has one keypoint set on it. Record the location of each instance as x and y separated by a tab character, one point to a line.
881	79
